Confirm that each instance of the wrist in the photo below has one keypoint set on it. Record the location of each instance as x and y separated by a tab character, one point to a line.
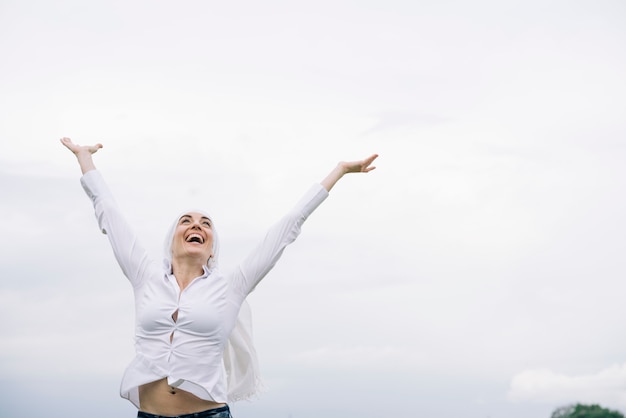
341	168
82	154
85	161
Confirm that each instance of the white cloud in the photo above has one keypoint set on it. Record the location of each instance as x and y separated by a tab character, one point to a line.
607	387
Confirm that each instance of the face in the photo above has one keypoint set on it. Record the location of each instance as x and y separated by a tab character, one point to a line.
193	237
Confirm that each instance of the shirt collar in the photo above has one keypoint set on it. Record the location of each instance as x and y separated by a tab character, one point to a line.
169	273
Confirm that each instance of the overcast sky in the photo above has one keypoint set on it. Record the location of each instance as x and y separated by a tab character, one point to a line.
477	272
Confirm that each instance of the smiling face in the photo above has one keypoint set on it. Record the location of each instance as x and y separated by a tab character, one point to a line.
193	237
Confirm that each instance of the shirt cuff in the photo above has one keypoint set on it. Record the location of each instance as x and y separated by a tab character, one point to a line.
93	184
312	199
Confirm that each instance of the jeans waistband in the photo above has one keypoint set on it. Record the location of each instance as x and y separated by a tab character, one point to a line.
209	413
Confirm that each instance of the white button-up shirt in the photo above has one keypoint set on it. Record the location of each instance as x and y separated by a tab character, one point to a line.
187	351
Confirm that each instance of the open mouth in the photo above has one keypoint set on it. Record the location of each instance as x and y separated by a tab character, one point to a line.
197	238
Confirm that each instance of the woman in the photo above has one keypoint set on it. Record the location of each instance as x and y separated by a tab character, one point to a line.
194	351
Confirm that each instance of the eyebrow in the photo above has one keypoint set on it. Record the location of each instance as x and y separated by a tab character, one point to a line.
189	216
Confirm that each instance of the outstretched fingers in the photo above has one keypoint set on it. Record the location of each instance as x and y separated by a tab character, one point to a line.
68	143
94	148
75	148
367	166
362	166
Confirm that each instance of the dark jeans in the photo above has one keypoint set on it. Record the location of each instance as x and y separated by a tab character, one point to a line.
222	412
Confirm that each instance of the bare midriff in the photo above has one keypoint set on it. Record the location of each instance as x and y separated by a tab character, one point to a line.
159	398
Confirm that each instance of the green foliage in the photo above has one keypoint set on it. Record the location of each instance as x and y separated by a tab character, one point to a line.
585	411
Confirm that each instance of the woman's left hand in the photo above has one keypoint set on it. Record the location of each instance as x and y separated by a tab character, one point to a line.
361	166
345	167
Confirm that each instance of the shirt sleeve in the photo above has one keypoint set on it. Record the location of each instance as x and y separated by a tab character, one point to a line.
129	253
265	255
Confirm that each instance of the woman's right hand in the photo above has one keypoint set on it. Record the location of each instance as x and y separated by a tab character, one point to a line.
77	149
83	153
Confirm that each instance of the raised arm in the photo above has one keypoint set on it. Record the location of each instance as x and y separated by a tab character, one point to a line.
345	167
265	255
130	254
83	153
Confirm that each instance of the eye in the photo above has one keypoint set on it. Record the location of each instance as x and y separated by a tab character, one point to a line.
207	224
184	221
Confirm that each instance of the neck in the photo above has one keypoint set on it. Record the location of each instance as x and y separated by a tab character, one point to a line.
185	271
